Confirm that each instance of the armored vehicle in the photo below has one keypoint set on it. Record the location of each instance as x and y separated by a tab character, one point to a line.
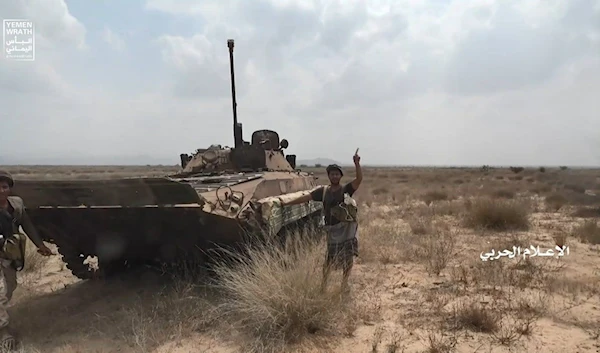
220	195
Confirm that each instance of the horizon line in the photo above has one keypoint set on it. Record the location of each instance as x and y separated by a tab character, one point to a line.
322	166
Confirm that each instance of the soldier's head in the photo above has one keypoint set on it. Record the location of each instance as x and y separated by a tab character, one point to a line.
6	183
335	174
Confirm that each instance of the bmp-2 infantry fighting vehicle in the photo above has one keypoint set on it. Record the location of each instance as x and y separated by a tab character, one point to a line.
220	195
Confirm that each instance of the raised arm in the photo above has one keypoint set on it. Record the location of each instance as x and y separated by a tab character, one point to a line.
315	195
356	182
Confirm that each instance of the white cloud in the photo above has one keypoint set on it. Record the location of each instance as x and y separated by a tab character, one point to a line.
407	81
438	75
54	24
113	39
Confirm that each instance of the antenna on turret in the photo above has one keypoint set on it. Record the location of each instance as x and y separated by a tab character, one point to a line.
237	127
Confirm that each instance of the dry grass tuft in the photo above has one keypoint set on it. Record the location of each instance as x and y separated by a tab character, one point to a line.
431	243
575	188
440	341
388	243
420	225
588	232
504	194
474	317
586	212
555	202
273	295
437	249
435	195
499	215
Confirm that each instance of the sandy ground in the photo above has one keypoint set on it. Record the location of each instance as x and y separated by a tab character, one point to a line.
399	303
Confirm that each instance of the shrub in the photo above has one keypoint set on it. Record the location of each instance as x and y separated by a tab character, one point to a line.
585	212
498	215
504	194
555	202
273	293
517	170
588	232
437	249
575	187
432	196
473	316
420	225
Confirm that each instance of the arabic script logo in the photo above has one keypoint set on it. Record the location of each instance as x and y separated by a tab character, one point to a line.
531	251
18	38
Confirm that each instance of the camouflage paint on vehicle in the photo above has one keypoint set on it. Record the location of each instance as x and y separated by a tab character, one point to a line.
220	195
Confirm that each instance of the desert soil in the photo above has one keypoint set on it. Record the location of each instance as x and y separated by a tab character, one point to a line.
419	284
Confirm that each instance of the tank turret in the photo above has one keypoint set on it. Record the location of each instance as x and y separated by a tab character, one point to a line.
263	153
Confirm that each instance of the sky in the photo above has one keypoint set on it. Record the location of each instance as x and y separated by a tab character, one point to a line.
409	82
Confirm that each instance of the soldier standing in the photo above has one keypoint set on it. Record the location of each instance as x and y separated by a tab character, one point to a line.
13	208
341	222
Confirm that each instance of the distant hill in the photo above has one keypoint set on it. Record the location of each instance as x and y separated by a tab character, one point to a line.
315	161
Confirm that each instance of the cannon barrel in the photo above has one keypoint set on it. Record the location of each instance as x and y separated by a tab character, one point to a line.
238	139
